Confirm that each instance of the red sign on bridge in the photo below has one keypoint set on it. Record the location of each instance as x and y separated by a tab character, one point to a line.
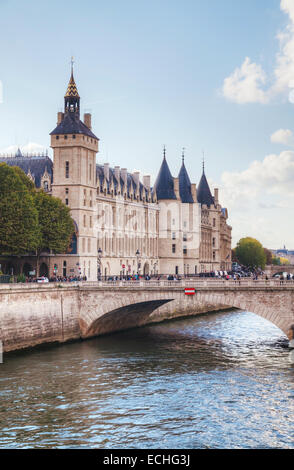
189	291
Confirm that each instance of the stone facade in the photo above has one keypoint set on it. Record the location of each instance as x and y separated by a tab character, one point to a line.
123	225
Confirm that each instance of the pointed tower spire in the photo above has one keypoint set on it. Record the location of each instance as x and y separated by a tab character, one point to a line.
184	182
164	184
183	154
204	195
72	97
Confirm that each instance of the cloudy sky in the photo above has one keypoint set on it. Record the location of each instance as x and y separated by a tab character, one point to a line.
214	76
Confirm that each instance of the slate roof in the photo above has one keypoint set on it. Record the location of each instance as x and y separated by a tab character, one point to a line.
118	185
164	184
185	185
37	165
203	192
71	124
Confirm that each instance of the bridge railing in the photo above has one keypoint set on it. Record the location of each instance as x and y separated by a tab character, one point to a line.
142	284
192	283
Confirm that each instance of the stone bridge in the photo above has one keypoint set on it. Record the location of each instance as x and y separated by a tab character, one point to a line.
272	270
34	314
113	308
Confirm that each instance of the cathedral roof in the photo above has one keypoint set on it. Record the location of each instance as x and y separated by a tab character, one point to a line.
185	185
164	184
203	192
71	124
35	165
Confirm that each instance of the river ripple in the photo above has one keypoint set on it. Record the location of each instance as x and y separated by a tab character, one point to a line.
217	381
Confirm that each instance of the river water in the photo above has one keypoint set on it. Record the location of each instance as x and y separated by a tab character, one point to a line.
215	381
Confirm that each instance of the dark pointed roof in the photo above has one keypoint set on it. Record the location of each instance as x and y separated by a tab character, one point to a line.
164	184
203	192
185	185
71	124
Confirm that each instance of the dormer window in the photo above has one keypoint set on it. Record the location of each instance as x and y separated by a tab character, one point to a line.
46	186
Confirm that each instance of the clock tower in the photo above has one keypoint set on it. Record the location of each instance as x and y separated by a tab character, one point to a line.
74	182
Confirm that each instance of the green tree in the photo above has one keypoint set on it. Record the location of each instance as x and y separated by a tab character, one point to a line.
269	256
56	224
19	228
276	261
250	253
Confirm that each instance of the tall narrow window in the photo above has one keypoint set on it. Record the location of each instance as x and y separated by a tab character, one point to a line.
64	268
67	169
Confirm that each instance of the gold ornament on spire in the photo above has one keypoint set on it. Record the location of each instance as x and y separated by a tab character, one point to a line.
72	88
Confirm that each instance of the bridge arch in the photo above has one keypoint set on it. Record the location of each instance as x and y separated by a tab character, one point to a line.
128	308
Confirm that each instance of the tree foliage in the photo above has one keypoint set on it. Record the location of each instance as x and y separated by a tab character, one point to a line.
269	256
250	253
56	224
30	220
19	226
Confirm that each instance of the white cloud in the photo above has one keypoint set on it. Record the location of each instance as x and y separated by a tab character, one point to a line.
273	175
244	85
30	147
283	136
260	200
250	84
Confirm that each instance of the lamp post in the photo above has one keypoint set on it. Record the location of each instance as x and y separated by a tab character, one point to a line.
138	264
99	264
155	267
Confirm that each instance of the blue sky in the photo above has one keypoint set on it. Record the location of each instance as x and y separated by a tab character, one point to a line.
165	72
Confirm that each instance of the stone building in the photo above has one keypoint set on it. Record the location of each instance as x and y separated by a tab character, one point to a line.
123	225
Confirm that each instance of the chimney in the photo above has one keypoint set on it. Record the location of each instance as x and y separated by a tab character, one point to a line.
194	192
117	172
215	195
176	187
124	174
106	171
136	177
146	181
87	120
60	117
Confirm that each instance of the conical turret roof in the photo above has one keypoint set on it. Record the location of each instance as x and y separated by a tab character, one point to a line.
204	195
185	185
164	184
72	88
